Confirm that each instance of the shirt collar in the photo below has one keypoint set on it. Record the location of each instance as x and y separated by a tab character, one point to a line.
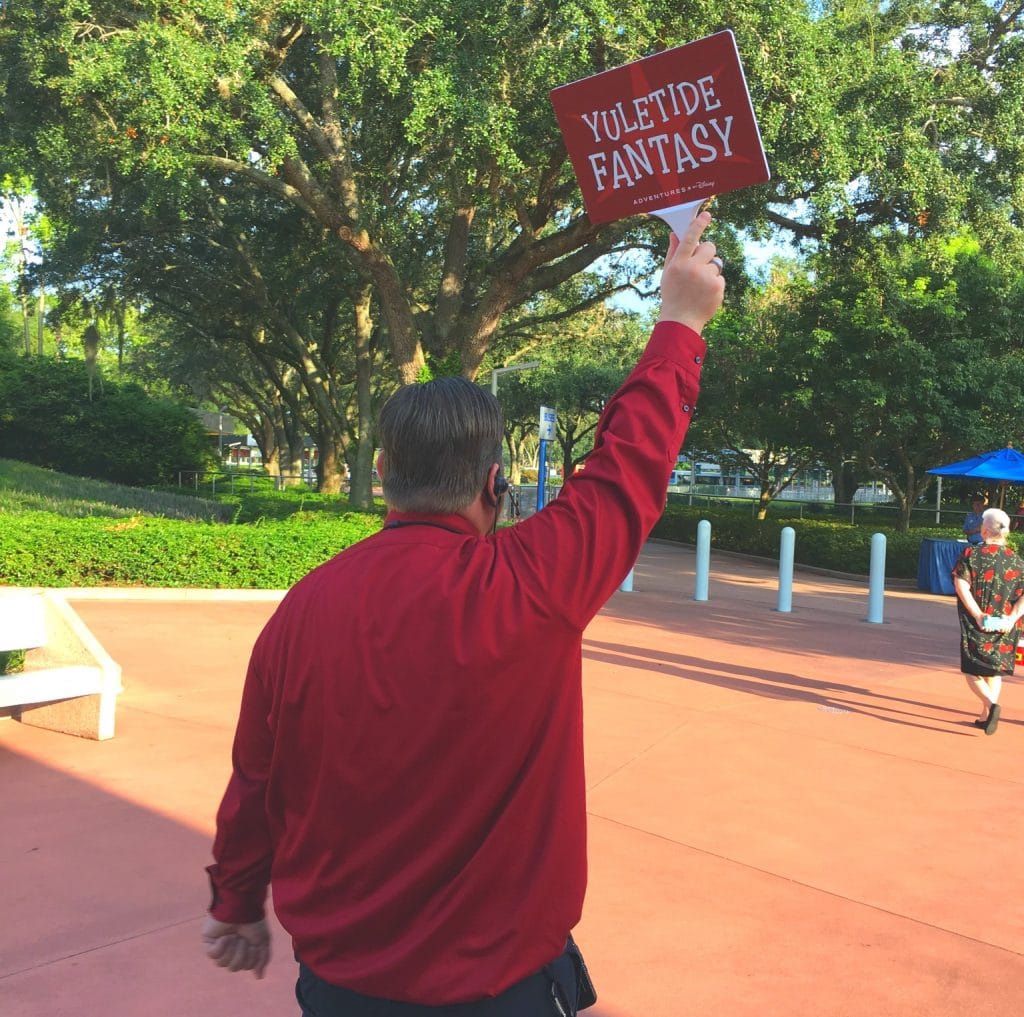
453	522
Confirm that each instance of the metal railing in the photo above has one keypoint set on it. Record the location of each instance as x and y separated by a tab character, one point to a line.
200	482
522	499
865	512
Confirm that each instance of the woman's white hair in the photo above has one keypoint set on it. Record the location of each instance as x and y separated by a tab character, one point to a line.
996	522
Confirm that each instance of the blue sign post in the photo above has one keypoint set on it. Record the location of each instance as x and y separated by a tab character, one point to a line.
542	473
547	433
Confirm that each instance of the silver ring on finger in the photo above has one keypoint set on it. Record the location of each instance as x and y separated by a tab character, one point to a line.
717	261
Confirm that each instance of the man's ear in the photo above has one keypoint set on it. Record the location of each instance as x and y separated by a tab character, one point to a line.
380	464
496	484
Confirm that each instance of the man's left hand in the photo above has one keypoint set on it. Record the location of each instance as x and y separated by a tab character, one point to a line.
241	947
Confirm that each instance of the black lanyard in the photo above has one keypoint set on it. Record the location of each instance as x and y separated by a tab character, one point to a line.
399	523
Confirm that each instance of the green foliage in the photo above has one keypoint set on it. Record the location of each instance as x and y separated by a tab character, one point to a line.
250	506
12	661
57	530
63	531
9	333
583	355
40	549
911	354
121	434
208	158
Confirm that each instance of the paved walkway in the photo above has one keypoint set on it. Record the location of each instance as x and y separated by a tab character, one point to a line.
790	814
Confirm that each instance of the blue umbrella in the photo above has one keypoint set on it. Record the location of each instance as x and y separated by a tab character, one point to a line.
1002	464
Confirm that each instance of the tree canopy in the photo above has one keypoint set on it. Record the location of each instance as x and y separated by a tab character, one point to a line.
349	196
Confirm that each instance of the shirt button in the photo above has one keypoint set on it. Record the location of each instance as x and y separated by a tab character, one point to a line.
697	359
686	407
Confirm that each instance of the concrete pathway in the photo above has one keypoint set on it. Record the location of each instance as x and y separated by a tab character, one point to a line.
790	814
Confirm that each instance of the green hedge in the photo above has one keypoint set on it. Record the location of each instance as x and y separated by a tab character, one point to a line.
827	544
120	434
41	549
45	549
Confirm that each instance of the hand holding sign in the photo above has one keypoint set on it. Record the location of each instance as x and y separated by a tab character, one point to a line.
662	134
692	286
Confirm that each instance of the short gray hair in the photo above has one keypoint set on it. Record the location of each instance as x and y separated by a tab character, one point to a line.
439	440
996	522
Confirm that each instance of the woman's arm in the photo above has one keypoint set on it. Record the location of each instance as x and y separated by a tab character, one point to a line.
966	597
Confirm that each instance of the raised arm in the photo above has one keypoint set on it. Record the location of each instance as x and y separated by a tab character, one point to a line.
580	547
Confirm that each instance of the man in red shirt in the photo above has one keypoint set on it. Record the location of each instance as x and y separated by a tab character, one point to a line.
408	763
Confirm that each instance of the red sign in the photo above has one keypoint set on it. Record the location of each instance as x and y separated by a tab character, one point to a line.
671	128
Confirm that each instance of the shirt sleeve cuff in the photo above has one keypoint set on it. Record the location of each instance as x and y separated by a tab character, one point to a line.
234	908
678	343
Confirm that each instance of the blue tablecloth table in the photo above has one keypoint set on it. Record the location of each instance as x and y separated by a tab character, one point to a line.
936	562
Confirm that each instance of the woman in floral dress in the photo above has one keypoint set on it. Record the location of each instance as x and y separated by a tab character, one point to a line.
989	584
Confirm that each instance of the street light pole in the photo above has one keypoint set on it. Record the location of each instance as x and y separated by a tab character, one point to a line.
220	437
504	370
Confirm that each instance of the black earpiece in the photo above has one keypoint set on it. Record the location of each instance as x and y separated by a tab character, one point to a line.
500	486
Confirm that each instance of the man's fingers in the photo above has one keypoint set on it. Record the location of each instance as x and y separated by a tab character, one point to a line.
691	238
706	253
244	947
673	244
227	956
237	958
216	948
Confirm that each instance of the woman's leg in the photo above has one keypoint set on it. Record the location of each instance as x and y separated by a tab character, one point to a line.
980	687
994	685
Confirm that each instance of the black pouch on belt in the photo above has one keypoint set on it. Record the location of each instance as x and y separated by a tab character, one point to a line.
586	995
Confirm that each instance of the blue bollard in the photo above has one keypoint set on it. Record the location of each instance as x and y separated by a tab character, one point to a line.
700	591
627	583
787	546
876	580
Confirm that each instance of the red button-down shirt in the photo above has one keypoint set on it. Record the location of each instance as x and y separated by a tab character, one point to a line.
408	763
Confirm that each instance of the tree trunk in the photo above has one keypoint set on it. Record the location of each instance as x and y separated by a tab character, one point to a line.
360	493
901	483
406	347
515	457
903	519
266	436
293	432
331	467
293	469
119	319
40	318
765	487
27	329
91	342
844	480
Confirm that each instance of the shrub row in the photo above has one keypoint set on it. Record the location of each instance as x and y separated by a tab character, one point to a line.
827	544
41	549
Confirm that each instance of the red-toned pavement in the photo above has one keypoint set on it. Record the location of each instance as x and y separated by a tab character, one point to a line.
790	814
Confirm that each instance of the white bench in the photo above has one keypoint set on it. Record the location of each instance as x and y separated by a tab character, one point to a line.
69	682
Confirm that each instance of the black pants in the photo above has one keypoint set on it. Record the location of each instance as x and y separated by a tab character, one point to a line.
540	995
